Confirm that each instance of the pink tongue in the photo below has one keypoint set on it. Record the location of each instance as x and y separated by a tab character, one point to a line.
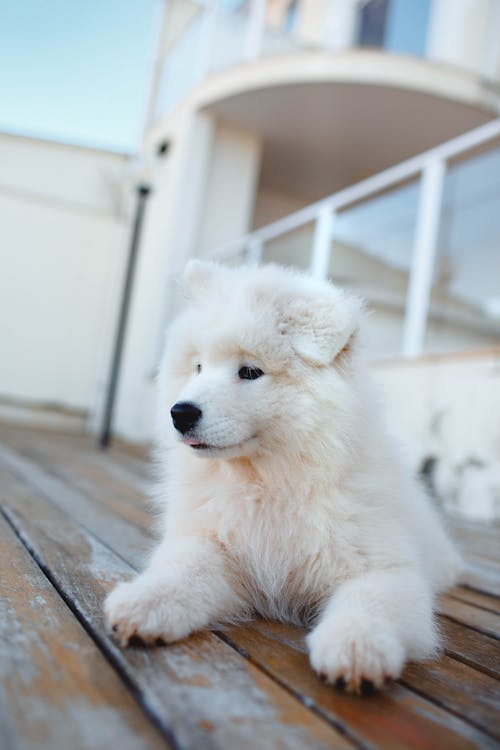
191	441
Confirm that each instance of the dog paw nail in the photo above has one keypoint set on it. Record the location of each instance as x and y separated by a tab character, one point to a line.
340	683
135	640
160	642
367	687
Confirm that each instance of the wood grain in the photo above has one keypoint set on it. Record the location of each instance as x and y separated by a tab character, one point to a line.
476	538
476	598
204	692
460	689
116	530
448	703
396	718
479	619
58	691
473	648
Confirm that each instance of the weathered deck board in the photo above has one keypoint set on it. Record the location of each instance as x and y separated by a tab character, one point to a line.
58	690
51	456
479	619
475	649
63	494
201	690
398	718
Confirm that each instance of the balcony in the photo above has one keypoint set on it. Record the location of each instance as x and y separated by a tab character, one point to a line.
207	38
419	241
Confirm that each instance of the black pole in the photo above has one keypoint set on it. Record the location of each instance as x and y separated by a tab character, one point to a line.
105	436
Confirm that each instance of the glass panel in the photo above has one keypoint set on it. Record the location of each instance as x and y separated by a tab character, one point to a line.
406	27
291	249
371	255
372	20
465	301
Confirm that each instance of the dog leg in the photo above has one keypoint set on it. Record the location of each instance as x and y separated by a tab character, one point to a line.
371	626
185	588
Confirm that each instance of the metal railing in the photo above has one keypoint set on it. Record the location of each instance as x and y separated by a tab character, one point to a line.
431	167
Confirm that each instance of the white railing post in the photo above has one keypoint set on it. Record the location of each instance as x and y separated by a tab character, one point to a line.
320	257
423	258
255	29
253	251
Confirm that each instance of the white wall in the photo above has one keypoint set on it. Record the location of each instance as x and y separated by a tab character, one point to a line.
459	33
446	409
64	231
79	178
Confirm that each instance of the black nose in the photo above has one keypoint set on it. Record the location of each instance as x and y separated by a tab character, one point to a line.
185	415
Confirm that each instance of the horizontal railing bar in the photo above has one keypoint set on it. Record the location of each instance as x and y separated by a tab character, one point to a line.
371	185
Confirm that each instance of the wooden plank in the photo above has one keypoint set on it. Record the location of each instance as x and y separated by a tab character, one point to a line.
471	618
407	715
396	718
476	598
106	493
202	689
96	480
116	530
480	539
460	689
57	689
86	471
473	648
451	684
134	462
481	575
468	614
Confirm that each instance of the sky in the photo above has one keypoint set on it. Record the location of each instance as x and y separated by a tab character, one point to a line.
77	71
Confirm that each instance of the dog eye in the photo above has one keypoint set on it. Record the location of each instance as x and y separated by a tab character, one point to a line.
248	372
198	368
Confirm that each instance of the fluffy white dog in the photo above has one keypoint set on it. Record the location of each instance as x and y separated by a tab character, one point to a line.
282	492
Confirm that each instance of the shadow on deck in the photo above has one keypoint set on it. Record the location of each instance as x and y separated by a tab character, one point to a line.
75	521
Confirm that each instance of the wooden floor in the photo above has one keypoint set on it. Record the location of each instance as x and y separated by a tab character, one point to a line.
74	521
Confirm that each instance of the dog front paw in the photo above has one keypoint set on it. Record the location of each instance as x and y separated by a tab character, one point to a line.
139	613
356	658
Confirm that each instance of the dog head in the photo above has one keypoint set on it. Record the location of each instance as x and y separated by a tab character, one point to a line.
258	362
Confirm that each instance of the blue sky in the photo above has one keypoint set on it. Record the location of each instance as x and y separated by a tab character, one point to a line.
77	70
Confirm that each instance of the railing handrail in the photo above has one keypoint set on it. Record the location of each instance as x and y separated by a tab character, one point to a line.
371	185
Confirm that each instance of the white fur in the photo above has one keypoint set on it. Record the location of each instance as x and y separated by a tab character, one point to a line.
300	509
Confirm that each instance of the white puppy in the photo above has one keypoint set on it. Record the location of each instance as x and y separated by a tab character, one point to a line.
282	493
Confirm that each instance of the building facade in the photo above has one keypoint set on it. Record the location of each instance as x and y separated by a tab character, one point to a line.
286	131
261	108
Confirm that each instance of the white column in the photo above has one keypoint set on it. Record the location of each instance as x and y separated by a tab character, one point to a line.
423	258
320	258
229	190
341	24
255	29
168	240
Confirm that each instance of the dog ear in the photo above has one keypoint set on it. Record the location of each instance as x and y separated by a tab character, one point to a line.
321	328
